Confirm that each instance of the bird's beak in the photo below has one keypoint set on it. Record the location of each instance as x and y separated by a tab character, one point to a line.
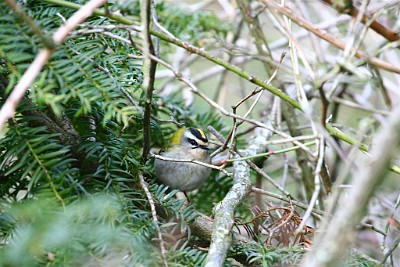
204	147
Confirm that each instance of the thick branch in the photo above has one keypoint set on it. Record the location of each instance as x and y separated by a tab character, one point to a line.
224	215
224	212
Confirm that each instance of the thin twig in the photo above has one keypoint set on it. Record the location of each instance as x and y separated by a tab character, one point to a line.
390	35
391	250
290	140
270	153
296	203
329	38
154	17
317	184
358	106
333	131
221	139
155	219
219	168
334	240
269	179
259	90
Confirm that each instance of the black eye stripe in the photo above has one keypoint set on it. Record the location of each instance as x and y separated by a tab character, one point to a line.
192	142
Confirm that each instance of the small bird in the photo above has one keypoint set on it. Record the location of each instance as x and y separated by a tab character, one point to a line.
186	144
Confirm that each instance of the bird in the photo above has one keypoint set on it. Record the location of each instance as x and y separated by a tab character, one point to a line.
186	144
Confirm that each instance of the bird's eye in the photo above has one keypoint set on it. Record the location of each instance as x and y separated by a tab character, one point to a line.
192	142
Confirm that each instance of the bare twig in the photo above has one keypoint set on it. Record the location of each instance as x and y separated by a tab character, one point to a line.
358	106
149	71
391	250
329	38
258	91
334	240
270	153
269	179
219	168
375	25
332	131
317	184
314	211
155	219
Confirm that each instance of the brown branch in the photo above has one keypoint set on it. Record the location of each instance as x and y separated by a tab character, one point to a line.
352	11
149	72
285	10
324	104
203	226
63	125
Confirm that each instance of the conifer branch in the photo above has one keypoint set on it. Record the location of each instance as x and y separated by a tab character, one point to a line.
8	109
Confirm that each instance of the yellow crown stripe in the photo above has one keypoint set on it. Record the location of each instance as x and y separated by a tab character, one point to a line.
201	133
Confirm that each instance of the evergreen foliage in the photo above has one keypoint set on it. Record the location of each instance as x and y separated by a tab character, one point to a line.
69	160
71	157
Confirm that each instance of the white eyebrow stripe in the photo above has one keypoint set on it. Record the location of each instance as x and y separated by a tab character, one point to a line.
191	136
